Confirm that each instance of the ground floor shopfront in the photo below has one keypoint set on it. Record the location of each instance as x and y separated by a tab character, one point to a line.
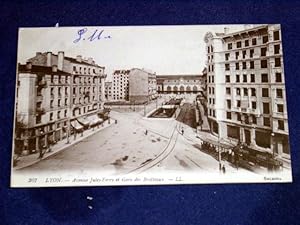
32	140
258	139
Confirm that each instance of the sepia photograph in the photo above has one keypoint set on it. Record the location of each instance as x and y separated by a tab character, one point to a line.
150	105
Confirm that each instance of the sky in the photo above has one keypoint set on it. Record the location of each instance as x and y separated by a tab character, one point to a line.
165	50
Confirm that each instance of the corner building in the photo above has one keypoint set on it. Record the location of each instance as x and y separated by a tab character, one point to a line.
246	88
41	113
57	96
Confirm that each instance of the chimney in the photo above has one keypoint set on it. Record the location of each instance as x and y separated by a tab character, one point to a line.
54	68
226	30
38	53
60	60
79	58
28	65
49	56
90	60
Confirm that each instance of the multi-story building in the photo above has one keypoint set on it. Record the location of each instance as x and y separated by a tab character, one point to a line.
142	86
180	84
246	88
67	98
108	90
43	104
120	85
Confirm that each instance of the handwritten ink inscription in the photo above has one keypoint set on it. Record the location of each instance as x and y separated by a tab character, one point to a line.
85	34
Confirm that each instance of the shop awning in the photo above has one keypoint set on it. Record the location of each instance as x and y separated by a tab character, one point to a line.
76	125
218	143
94	119
83	121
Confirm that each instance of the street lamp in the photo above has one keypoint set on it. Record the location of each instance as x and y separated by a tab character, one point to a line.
272	143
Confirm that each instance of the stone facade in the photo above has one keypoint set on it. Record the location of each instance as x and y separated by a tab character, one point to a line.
108	91
120	85
246	89
180	84
42	115
142	86
56	96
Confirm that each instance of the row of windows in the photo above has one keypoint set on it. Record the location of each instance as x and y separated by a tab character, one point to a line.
263	52
84	90
59	78
59	103
85	70
265	92
120	77
58	115
85	100
85	110
263	79
85	80
251	65
251	119
59	91
246	43
266	106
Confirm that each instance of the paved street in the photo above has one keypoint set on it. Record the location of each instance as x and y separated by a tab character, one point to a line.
126	147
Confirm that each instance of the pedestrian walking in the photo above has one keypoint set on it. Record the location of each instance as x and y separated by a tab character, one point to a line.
146	132
42	152
223	169
182	131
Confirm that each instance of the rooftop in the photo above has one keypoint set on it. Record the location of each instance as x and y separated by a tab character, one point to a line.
28	68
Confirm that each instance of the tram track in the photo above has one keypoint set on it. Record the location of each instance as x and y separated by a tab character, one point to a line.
159	158
167	150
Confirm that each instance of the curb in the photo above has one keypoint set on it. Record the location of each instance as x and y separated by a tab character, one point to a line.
60	149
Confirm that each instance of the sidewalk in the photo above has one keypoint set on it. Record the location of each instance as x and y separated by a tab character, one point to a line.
205	124
28	160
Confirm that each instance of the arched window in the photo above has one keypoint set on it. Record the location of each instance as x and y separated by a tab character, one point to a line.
175	89
188	89
169	89
181	88
195	89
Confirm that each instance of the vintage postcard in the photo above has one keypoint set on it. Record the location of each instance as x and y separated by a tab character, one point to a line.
150	105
